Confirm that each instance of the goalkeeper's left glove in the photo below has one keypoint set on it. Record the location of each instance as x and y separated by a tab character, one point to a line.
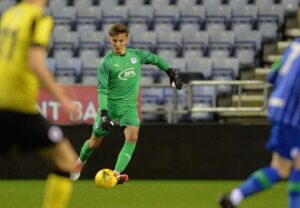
175	79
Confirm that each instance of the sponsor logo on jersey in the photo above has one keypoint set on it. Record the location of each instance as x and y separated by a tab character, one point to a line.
127	73
133	60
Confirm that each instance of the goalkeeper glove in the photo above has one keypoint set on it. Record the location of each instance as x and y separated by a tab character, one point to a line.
107	123
175	79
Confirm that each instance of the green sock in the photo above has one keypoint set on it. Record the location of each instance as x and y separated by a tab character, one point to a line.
85	151
124	156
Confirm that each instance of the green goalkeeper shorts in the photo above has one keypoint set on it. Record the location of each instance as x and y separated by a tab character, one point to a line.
125	113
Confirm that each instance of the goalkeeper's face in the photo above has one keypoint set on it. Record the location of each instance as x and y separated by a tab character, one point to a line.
118	43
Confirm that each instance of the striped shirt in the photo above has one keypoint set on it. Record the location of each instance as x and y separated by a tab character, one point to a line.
284	102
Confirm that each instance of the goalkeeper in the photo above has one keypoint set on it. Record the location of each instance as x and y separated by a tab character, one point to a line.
119	78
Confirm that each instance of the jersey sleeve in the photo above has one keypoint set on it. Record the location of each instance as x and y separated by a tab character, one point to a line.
150	58
42	29
102	89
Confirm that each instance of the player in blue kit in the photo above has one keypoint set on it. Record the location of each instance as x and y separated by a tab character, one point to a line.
284	140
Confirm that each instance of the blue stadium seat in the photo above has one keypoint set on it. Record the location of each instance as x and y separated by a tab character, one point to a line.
244	15
151	103
290	6
128	3
196	41
203	96
192	14
202	65
90	62
228	67
270	19
221	44
141	14
188	3
146	40
169	40
67	40
166	14
112	14
248	45
87	14
92	40
104	3
68	70
218	14
64	14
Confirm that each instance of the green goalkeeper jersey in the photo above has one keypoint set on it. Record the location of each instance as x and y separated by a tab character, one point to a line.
119	75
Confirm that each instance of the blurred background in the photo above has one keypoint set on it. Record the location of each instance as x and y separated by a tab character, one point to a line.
216	127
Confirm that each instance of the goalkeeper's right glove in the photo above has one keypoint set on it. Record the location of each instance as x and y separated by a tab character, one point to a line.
107	123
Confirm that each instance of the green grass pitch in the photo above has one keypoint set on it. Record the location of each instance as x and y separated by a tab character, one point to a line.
139	194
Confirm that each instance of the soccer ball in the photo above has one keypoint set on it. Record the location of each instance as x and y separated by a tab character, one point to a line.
105	178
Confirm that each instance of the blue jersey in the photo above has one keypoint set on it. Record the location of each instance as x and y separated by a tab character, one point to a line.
284	102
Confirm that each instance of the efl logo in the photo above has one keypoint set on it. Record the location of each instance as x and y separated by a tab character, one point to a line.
127	73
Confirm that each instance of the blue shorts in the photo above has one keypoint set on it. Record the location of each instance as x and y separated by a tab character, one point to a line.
285	141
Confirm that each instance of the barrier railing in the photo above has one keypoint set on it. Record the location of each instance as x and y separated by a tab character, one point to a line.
173	111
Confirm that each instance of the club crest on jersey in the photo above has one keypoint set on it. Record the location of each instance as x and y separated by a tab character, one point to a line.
133	60
127	73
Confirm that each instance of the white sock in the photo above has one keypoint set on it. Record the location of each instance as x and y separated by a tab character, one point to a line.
236	197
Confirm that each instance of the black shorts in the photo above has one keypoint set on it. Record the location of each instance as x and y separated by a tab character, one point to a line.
27	131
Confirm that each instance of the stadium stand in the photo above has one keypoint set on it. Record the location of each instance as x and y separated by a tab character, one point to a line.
192	35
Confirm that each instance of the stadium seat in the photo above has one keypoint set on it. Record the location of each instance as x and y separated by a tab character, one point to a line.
68	70
203	66
68	40
248	45
290	7
221	44
63	54
134	2
167	55
166	14
64	15
90	63
137	28
270	19
192	14
196	41
226	66
87	14
179	64
179	98
152	103
211	3
93	40
112	14
141	14
146	40
189	27
218	14
104	3
237	3
148	76
188	3
85	28
158	3
203	96
244	15
169	40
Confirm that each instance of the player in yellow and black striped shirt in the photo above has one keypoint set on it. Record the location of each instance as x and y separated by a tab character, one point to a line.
24	36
